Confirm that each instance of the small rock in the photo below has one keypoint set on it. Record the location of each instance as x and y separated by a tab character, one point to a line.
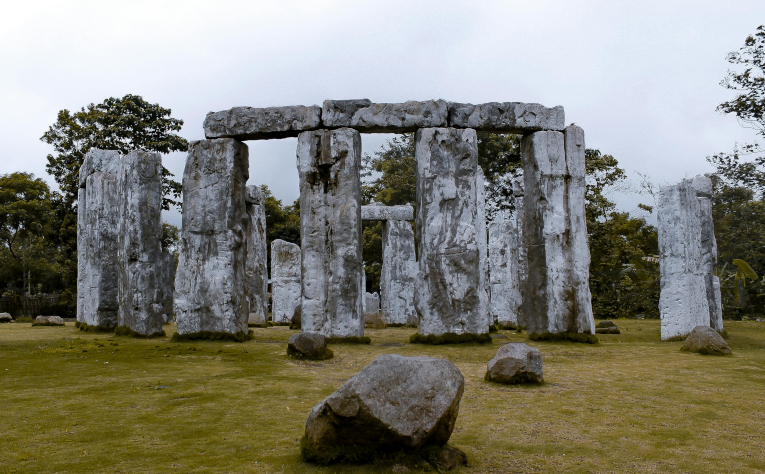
5	318
605	324
48	321
447	458
514	363
707	341
308	345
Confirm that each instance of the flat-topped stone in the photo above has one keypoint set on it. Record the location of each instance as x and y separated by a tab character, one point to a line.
506	117
249	123
368	117
387	213
105	161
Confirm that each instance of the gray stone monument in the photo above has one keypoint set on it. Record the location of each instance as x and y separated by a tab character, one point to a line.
329	163
505	287
210	281
690	292
450	297
143	295
256	269
522	266
285	281
98	205
556	296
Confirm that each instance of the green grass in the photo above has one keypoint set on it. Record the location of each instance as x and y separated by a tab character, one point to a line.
90	402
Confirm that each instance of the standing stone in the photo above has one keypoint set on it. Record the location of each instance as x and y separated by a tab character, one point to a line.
329	163
98	207
167	283
372	317
285	281
556	297
522	266
210	281
450	296
689	290
504	284
142	291
397	279
256	269
483	247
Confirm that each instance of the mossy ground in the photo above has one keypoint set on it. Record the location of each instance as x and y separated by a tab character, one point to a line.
82	402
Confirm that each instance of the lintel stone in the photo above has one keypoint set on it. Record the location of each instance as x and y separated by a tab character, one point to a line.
249	123
368	117
506	117
387	213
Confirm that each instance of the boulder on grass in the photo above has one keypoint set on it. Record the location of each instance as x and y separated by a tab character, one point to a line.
392	405
515	363
48	321
256	320
607	327
605	324
707	341
5	318
308	345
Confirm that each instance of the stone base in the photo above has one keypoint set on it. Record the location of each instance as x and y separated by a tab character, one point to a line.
126	331
214	336
349	340
564	336
85	327
506	326
449	338
327	354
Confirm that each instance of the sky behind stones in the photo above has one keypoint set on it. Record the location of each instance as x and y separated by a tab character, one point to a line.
641	78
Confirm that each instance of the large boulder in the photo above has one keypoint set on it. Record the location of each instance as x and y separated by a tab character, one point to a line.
308	345
515	363
395	403
707	341
5	318
48	321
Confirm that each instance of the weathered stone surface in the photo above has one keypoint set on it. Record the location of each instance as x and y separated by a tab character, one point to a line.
329	163
397	278
167	284
505	294
605	324
522	267
5	318
393	403
515	362
379	212
481	233
98	209
48	321
248	123
606	327
256	269
707	341
286	292
506	117
450	297
139	249
372	317
688	252
308	345
367	117
209	283
556	296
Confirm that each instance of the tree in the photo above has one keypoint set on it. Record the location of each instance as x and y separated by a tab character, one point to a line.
499	156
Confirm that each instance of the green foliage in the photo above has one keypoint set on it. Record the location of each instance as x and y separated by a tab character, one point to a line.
499	156
564	336
214	336
85	327
449	338
25	319
171	238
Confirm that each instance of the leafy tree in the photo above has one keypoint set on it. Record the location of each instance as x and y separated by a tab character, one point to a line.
499	156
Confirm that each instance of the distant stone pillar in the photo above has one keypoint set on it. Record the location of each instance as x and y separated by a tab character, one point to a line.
285	281
142	291
329	163
522	264
556	297
256	268
98	205
399	268
167	284
689	290
450	296
210	281
503	261
480	224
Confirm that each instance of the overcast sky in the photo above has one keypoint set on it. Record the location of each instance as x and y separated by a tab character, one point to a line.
641	78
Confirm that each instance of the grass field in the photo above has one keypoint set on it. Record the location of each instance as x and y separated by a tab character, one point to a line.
79	402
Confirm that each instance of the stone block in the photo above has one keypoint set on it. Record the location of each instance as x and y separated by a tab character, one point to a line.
367	117
506	117
210	280
706	341
249	123
399	269
505	294
329	163
515	363
379	212
48	321
96	160
286	293
256	268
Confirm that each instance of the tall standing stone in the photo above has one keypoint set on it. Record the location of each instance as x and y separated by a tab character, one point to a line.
256	269
689	290
503	274
521	267
285	281
143	294
556	297
399	269
98	206
450	297
210	280
329	163
480	225
167	284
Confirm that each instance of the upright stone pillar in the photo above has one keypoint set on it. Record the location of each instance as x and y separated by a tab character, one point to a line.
285	281
556	296
167	284
98	205
450	296
141	261
329	163
210	293
256	269
521	265
689	290
503	261
397	279
483	247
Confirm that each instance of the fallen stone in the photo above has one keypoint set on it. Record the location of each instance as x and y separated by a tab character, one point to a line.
516	363
256	268
397	278
506	117
707	341
367	117
395	403
248	123
308	345
48	321
379	212
5	318
605	324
